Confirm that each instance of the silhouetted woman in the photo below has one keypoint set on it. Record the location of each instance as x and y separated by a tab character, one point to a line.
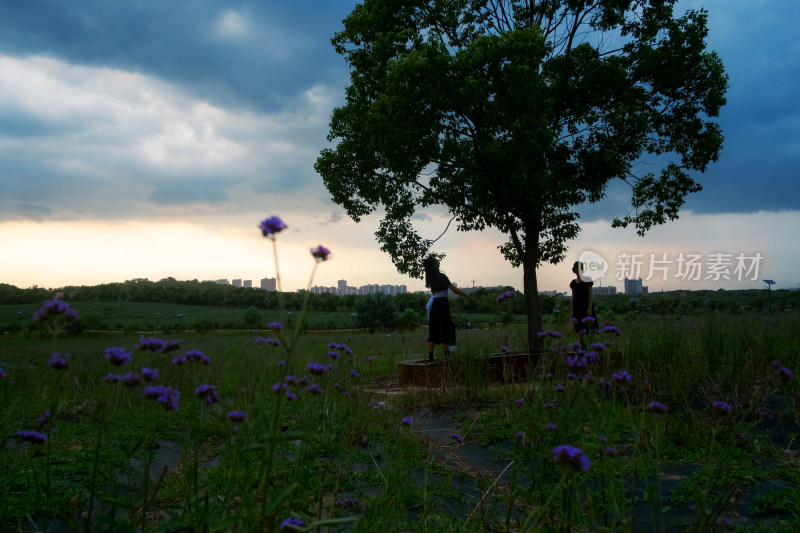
441	329
582	312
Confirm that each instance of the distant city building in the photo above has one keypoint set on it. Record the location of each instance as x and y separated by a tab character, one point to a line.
236	282
269	284
634	286
247	284
343	289
604	291
222	282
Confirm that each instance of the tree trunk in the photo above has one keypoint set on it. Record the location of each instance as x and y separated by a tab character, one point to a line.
530	287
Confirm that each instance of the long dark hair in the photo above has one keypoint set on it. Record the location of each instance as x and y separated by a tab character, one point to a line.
431	267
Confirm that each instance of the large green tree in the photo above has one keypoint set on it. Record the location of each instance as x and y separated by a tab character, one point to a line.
512	113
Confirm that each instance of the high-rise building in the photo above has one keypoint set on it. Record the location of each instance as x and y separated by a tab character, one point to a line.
269	284
236	282
634	286
247	283
222	282
604	291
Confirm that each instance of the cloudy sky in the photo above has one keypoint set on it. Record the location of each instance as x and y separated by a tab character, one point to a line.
147	139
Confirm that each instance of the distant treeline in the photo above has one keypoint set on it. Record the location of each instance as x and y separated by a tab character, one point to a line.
209	293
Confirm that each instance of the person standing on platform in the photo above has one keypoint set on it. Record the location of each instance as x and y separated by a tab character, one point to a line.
441	329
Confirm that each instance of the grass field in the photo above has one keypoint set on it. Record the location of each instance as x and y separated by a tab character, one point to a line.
318	431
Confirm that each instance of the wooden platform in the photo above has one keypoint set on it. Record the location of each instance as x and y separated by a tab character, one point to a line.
422	373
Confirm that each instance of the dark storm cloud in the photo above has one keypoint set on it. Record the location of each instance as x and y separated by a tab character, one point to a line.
254	62
283	48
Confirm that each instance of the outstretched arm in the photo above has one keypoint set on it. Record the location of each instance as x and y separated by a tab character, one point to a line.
460	292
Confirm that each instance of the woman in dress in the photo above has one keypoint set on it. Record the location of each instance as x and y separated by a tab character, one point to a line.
441	329
582	314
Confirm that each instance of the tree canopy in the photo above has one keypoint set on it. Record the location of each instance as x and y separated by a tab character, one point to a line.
512	113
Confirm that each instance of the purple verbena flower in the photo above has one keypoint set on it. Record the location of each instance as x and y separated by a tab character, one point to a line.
520	434
275	326
2	374
406	421
320	253
551	427
32	436
291	396
353	372
559	388
315	389
270	226
505	295
149	374
458	437
167	397
118	356
237	416
657	408
721	408
611	329
112	378
53	308
280	388
151	344
785	375
303	381
572	457
281	363
291	523
519	402
316	368
59	361
260	340
131	379
333	355
43	418
209	392
196	355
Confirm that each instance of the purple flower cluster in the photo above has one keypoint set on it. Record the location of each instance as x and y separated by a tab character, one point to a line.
457	437
505	295
784	373
621	380
131	379
571	457
341	347
601	346
406	421
118	356
192	355
272	341
333	355
550	333
576	363
291	523
32	436
657	408
346	502
519	402
53	308
149	374
551	427
270	226
316	368
275	326
2	374
166	396
721	408
59	361
237	416
611	329
152	344
207	392
320	253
